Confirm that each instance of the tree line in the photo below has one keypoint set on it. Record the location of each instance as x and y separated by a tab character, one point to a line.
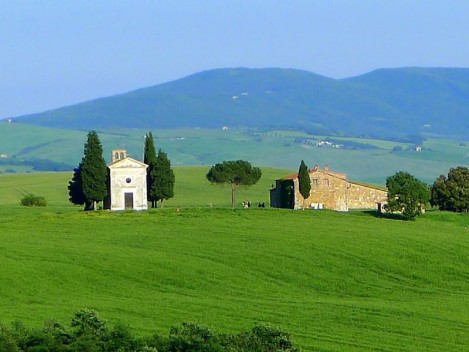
36	164
91	333
90	180
410	195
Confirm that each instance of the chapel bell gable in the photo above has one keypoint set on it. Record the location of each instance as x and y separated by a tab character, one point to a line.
118	154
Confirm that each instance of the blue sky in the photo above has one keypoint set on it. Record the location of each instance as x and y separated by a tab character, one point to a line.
60	52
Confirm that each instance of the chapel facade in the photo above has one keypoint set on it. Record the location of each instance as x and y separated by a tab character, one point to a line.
127	188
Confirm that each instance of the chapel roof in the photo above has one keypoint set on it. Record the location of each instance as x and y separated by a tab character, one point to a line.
126	162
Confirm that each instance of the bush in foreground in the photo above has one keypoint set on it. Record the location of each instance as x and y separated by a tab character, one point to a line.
89	332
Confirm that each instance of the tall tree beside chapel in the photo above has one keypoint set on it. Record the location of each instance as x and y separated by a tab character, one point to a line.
163	177
149	158
93	171
304	182
75	188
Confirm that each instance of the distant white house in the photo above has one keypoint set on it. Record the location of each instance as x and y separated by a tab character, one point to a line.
327	144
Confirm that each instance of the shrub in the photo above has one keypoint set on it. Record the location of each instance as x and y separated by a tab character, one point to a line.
7	341
91	333
31	200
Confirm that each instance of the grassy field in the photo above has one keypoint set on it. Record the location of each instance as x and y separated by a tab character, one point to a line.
261	148
335	281
191	188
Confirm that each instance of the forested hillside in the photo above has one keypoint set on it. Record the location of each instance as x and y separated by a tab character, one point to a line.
387	103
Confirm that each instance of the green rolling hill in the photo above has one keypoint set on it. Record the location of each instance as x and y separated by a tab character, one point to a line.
335	281
386	103
35	148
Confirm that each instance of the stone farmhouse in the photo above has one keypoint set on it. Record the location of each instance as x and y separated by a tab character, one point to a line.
127	183
329	190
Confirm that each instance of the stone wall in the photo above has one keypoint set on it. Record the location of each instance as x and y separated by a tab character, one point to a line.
365	197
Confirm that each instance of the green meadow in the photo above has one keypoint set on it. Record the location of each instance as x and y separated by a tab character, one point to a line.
373	162
335	281
191	188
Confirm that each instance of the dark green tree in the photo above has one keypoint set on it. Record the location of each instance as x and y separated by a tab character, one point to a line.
193	337
452	192
7	340
149	158
94	171
75	188
263	338
406	194
59	333
88	321
120	338
304	182
163	178
441	195
90	331
234	173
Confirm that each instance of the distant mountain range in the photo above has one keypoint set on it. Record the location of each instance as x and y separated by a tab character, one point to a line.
383	103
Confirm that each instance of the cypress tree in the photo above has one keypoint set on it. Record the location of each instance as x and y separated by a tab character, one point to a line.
304	182
94	170
163	177
75	188
149	158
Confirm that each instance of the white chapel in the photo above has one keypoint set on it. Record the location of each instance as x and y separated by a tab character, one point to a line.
127	183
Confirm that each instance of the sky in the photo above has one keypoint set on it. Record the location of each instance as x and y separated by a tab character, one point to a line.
55	53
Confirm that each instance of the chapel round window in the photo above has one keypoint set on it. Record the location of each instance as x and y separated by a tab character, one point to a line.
128	180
